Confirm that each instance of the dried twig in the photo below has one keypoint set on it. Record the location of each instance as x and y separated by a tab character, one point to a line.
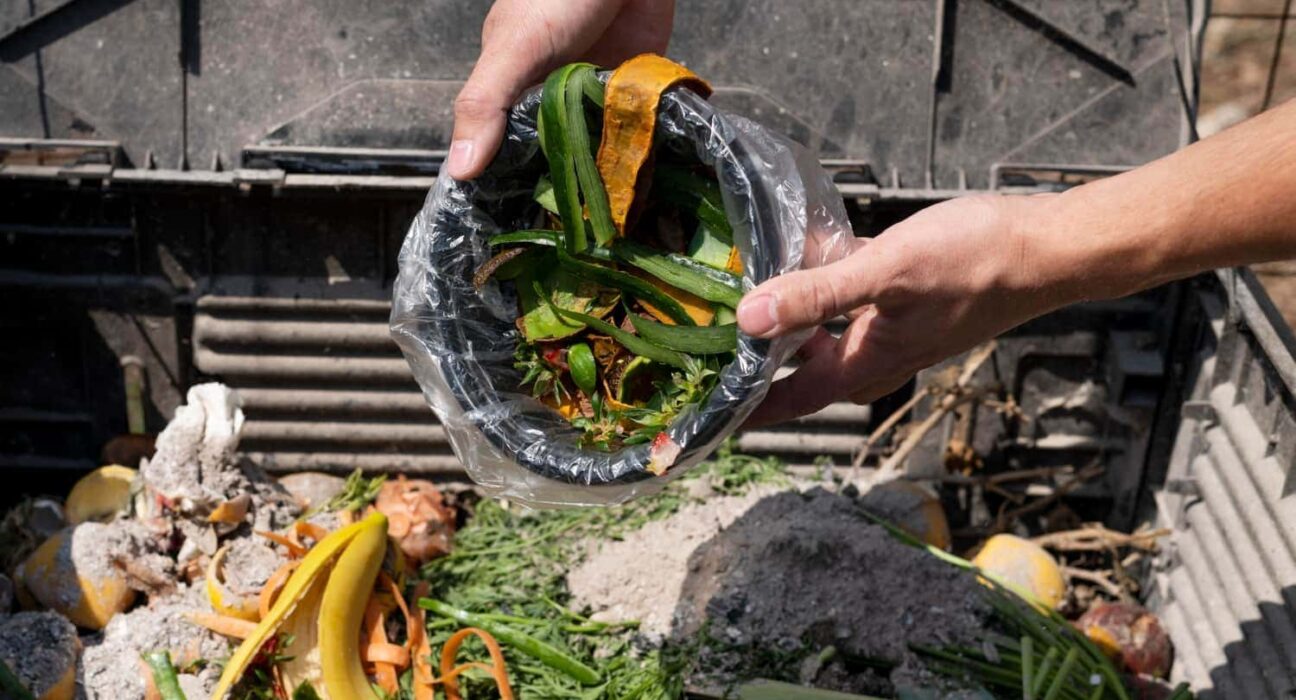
954	397
1000	478
887	425
1098	578
1094	537
1081	477
1005	518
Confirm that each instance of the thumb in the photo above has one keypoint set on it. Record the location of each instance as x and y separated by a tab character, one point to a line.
481	110
808	298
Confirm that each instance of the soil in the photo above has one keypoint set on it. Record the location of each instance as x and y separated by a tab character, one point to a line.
249	564
642	577
197	465
39	647
312	489
139	553
107	668
784	573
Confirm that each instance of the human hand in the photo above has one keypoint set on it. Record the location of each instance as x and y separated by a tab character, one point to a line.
932	286
522	40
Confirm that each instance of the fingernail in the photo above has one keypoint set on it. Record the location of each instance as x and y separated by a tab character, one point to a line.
758	315
460	158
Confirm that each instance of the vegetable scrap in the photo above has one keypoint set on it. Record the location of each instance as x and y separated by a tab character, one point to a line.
734	573
199	576
623	327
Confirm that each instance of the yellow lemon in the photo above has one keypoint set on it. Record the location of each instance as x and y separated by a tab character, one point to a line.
1025	566
100	494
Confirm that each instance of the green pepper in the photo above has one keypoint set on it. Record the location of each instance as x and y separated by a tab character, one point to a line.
584	370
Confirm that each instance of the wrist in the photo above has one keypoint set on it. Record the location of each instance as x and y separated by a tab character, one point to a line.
1075	249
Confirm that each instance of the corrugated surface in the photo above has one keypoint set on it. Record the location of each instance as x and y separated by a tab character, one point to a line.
324	387
1227	582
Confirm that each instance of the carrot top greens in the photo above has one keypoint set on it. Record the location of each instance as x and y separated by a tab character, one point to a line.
627	285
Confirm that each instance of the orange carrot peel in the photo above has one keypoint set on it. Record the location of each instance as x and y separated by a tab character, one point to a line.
629	119
450	673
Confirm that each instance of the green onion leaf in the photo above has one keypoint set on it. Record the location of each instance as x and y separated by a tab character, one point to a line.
628	284
632	342
682	273
698	340
696	195
557	146
591	183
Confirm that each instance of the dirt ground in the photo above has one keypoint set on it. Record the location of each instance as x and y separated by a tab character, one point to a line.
772	570
1237	56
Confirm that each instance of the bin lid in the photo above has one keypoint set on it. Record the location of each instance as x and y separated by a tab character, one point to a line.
932	93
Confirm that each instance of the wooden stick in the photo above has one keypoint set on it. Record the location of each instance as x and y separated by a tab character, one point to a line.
886	426
1094	537
954	397
1098	578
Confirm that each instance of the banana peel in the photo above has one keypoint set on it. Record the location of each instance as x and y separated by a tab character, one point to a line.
321	608
223	600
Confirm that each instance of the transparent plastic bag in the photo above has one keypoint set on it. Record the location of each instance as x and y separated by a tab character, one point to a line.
459	342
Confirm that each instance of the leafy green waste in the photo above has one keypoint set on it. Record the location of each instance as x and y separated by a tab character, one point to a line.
578	257
511	565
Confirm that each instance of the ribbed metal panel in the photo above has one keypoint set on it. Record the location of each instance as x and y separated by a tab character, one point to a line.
1227	587
324	387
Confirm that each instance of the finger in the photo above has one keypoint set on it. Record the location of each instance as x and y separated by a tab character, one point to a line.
481	111
853	366
515	54
641	26
814	296
822	341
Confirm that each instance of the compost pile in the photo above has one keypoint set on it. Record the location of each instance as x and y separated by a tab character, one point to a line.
198	574
778	570
735	572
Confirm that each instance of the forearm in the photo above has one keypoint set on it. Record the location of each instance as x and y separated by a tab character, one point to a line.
1227	200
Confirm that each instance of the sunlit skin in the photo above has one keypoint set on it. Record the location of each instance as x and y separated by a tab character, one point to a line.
954	274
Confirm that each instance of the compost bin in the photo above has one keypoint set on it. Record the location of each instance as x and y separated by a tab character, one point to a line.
217	191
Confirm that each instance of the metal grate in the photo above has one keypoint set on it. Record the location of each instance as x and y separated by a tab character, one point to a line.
324	387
